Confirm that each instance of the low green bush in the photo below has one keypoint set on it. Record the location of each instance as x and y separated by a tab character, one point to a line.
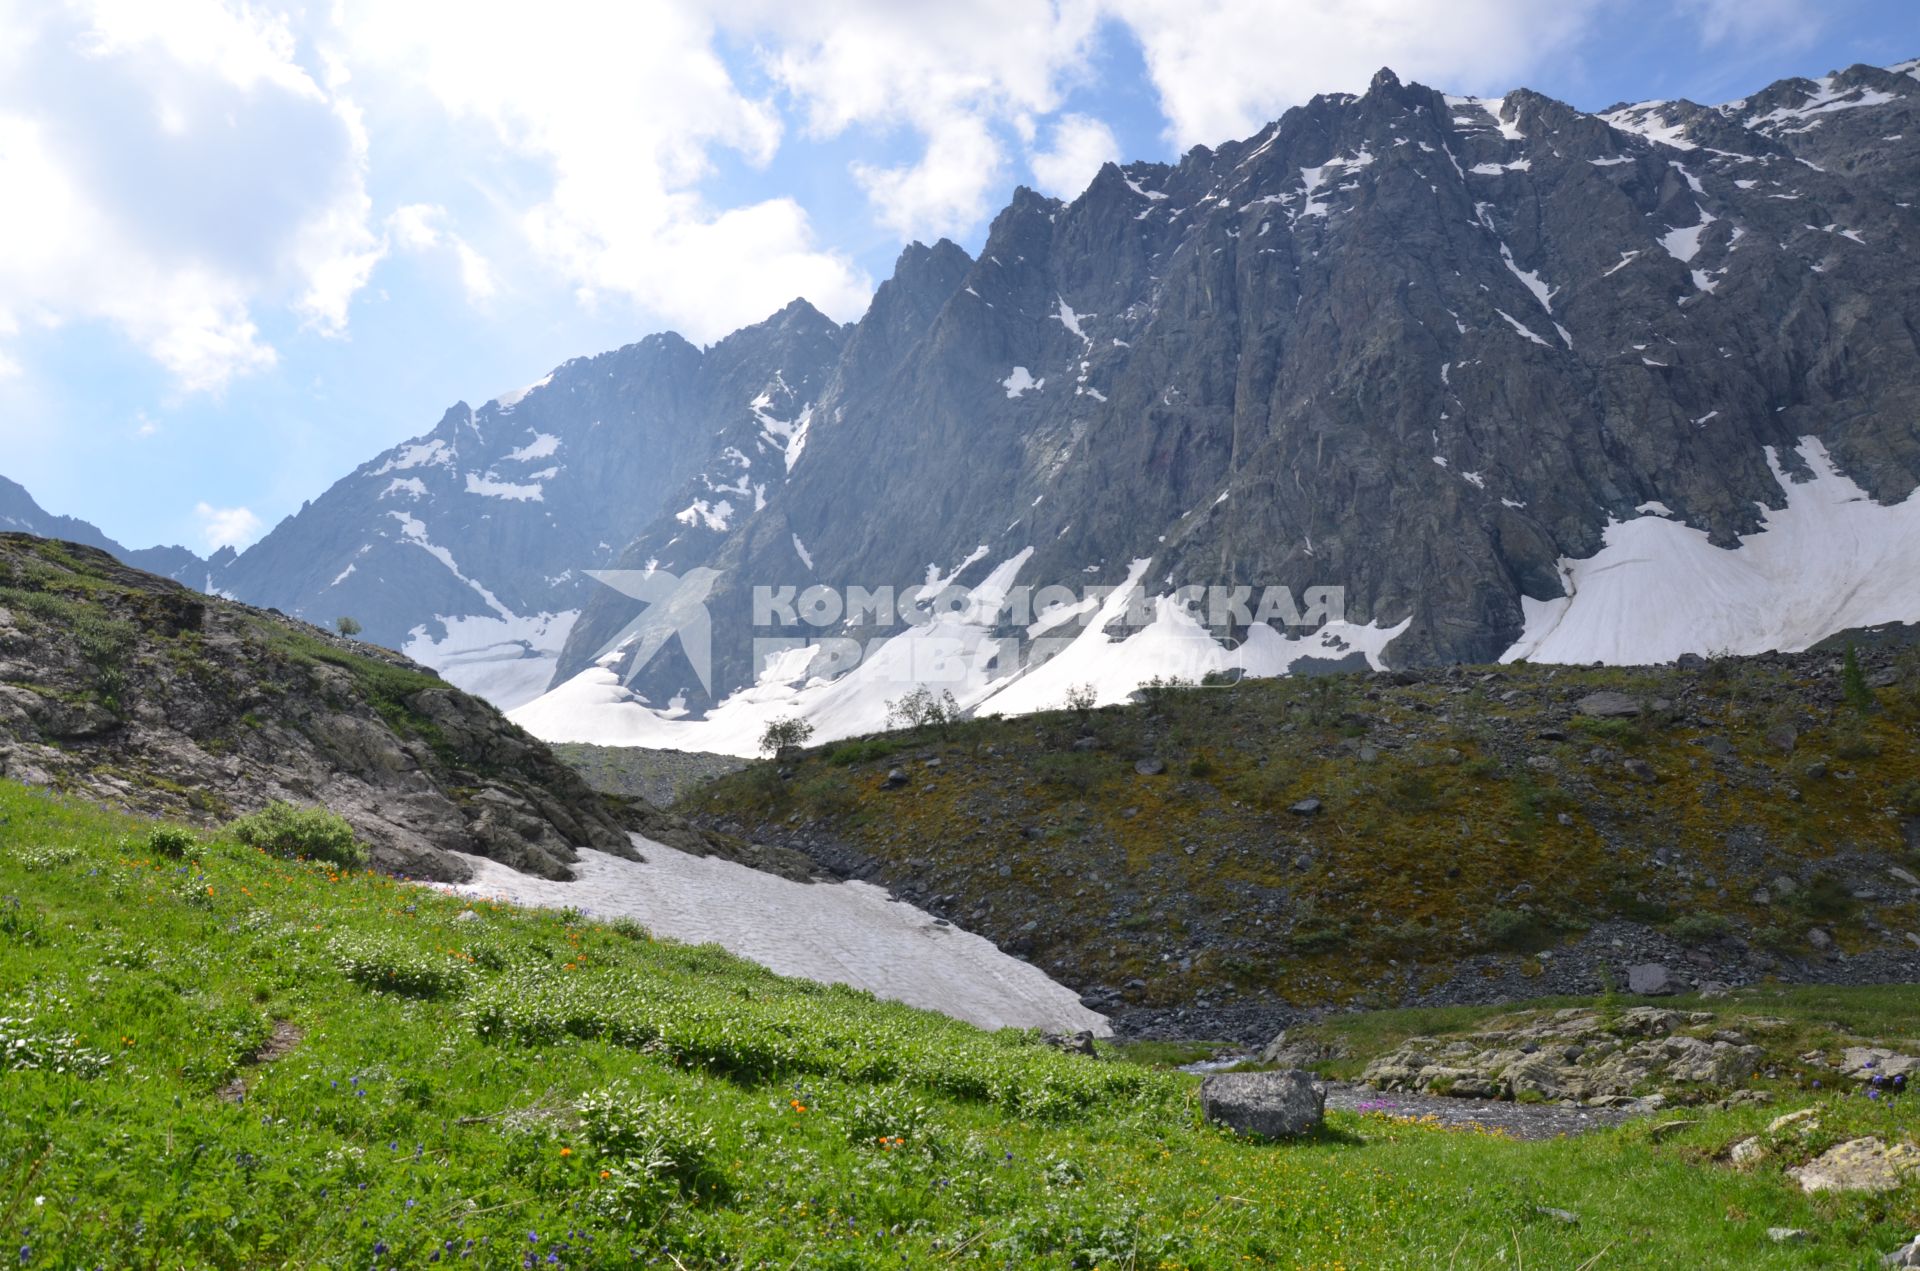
294	832
171	841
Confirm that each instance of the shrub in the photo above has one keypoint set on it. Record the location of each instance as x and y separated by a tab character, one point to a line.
629	928
654	1152
922	708
862	750
1825	896
1517	930
1699	928
395	967
171	841
348	627
782	733
286	829
1853	683
1081	699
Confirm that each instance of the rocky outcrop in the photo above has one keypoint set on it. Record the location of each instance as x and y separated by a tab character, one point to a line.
1578	1055
129	689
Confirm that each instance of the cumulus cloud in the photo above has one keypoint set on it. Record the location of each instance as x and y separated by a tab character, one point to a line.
620	109
1224	67
226	527
1079	145
167	169
952	74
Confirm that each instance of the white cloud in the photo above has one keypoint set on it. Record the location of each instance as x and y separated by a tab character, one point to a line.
1080	144
170	168
951	73
1224	67
1751	21
227	527
619	110
8	367
476	275
947	191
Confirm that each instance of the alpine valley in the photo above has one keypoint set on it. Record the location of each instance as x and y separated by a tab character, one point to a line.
1520	380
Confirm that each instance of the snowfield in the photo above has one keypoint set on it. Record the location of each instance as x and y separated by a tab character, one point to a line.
835	933
1831	559
952	652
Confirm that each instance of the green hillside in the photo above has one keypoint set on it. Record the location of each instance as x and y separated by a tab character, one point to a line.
226	1059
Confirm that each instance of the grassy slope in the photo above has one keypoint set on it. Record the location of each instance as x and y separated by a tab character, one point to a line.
1445	844
401	1125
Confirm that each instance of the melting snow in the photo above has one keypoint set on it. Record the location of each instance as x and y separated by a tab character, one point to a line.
417	455
1684	244
506	659
1521	327
800	550
835	933
1020	381
413	487
1829	560
712	515
507	401
543	446
493	489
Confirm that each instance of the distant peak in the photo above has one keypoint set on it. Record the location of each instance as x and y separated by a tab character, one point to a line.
1384	80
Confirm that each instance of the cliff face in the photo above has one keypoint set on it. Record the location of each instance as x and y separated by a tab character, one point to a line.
1425	348
127	688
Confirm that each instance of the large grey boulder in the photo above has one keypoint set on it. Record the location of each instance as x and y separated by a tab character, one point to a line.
1608	704
1273	1105
1649	979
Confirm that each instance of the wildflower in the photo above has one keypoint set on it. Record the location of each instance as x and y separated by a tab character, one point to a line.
566	1151
606	1173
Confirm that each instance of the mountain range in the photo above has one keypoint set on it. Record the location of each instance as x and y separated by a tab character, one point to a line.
1520	381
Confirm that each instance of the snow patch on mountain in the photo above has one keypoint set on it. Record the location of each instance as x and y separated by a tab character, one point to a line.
492	488
508	660
1020	380
1830	559
543	446
417	455
835	933
956	649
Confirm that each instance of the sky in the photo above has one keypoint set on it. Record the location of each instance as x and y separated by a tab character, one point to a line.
246	246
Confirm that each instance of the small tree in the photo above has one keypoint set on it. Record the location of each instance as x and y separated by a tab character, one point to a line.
1853	683
782	733
347	627
1081	699
921	708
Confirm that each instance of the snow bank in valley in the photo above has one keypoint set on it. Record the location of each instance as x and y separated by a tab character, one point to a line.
1831	559
844	933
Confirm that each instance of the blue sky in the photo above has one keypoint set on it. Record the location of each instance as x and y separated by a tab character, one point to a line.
245	247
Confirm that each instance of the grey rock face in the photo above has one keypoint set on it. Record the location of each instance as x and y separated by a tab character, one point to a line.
1419	349
1272	1105
498	513
1608	704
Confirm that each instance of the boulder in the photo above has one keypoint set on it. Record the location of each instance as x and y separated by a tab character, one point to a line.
1746	1153
1907	1255
1608	704
1649	979
1858	1165
1269	1104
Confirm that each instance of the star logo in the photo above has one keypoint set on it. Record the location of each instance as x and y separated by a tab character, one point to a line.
676	606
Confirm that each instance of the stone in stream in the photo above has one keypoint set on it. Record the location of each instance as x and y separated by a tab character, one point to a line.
1272	1105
